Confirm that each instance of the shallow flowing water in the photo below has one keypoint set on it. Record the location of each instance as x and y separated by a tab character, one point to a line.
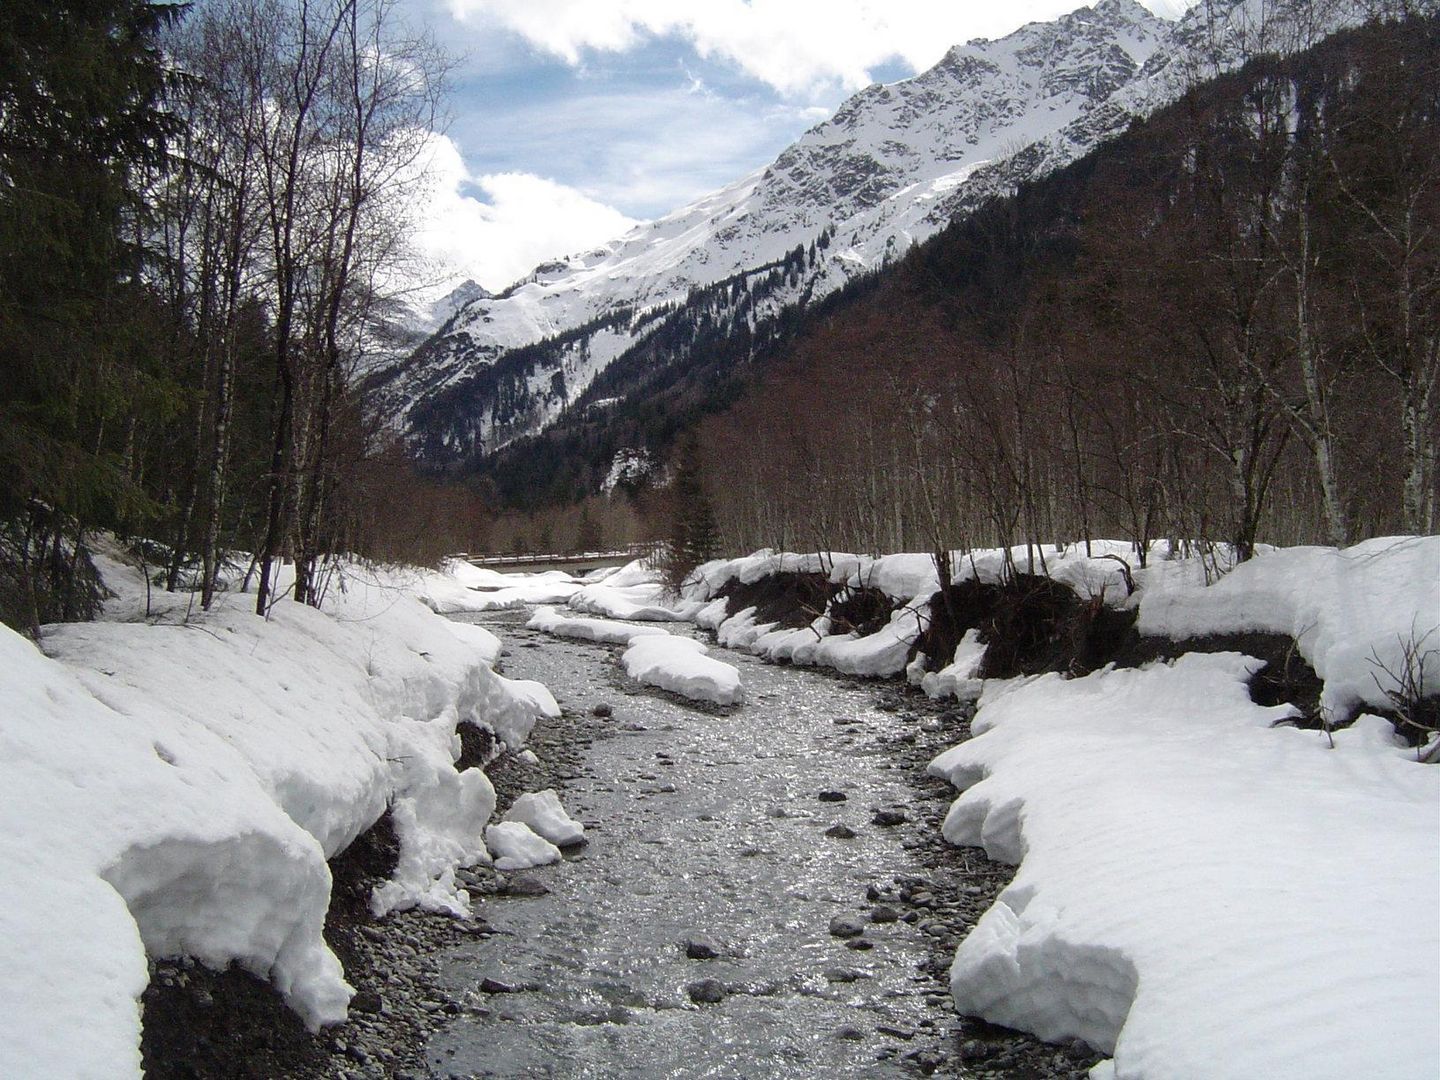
701	823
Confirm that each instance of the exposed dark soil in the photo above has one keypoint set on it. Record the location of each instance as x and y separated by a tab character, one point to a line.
791	600
1034	624
1030	623
862	610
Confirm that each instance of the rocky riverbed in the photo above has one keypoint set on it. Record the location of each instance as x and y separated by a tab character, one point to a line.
817	944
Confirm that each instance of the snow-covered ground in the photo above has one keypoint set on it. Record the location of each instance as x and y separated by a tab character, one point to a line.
653	655
1355	614
604	631
175	781
460	586
542	812
1200	892
632	592
516	846
1203	890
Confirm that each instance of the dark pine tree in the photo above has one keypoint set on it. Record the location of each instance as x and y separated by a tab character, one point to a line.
694	532
81	125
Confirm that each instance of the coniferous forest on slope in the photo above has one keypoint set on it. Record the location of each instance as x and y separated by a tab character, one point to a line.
204	216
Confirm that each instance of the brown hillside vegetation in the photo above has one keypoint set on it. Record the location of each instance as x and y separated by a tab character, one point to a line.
1225	324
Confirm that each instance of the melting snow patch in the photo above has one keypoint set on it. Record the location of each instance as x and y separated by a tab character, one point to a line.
605	631
879	654
460	586
516	846
959	678
679	664
542	812
644	603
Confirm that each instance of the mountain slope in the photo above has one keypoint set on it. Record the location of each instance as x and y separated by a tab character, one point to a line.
872	178
892	167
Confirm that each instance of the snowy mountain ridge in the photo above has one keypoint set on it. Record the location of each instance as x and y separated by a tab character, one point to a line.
890	168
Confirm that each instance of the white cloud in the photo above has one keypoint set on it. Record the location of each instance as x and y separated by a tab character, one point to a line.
650	151
799	47
517	221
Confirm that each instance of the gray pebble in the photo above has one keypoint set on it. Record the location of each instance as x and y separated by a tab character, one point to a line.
846	926
706	992
700	947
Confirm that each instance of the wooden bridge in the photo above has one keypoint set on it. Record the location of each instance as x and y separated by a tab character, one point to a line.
570	562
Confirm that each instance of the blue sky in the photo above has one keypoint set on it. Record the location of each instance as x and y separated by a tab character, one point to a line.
573	119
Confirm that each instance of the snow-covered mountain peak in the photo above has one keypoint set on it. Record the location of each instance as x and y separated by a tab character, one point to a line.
442	310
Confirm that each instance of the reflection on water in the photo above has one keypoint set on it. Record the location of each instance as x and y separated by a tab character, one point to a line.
700	824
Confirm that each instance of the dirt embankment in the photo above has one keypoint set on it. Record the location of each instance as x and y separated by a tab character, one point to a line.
1031	624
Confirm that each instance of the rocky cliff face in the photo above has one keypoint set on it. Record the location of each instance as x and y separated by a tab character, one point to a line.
893	166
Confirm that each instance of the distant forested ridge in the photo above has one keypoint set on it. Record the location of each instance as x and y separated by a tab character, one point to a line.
1224	324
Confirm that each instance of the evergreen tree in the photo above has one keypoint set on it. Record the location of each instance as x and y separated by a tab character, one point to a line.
81	126
589	536
694	532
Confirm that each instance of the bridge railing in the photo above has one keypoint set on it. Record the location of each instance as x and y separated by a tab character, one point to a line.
629	552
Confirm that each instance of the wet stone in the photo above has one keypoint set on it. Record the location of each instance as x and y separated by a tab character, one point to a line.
860	944
832	796
927	1060
840	832
846	926
496	986
883	913
849	1032
602	711
889	817
706	992
700	947
523	886
976	1050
